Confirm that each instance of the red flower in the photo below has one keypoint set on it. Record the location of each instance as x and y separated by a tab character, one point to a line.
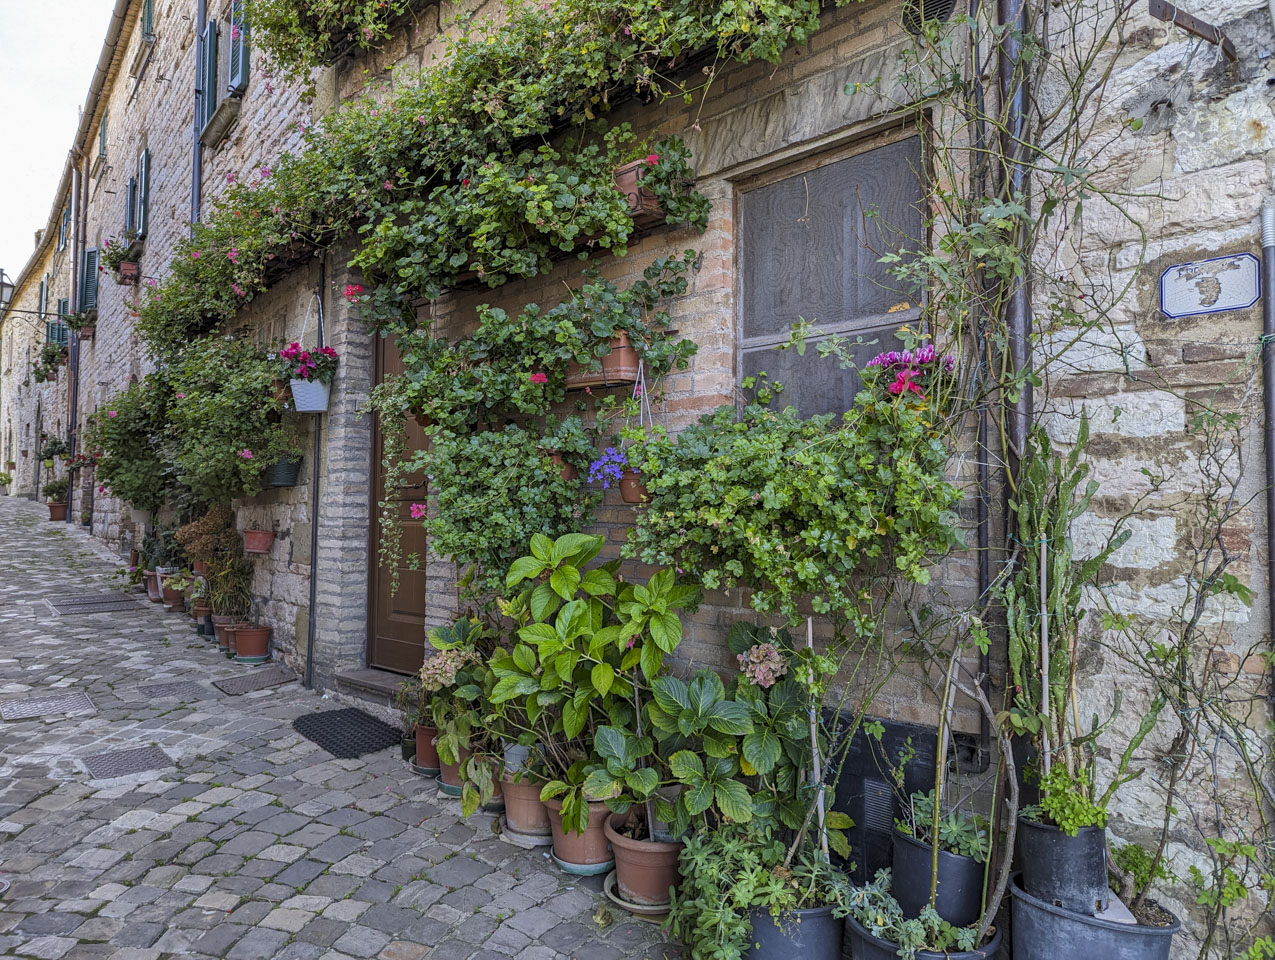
539	377
652	159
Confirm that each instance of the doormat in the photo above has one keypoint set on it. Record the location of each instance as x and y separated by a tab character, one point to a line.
122	763
92	603
270	676
45	706
347	733
182	689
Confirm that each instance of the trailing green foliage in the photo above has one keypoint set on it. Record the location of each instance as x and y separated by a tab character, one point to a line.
129	433
298	35
876	910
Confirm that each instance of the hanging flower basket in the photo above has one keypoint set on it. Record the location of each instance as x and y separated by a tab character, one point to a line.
258	541
632	489
283	473
310	396
619	367
126	275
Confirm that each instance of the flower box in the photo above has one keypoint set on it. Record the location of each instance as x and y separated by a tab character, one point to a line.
127	274
258	541
310	396
87	332
644	208
619	368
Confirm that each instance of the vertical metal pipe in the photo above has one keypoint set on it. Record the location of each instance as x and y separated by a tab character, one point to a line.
314	502
73	400
197	149
1268	406
1012	15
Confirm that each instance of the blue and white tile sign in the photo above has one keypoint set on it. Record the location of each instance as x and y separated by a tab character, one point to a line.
1210	286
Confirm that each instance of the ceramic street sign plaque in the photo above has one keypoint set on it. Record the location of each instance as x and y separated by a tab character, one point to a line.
1210	286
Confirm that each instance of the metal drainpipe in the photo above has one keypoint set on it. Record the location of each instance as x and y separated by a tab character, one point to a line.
74	385
1012	15
1268	404
197	150
314	503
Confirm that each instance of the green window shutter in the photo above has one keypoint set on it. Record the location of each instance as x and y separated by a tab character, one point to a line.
64	308
43	303
130	211
209	99
64	228
148	18
101	137
141	218
88	280
237	82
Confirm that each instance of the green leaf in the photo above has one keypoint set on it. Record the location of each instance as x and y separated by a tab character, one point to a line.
564	581
600	785
569	544
643	782
733	800
524	568
762	750
730	717
686	766
699	798
836	820
666	630
537	633
543	602
611	744
525	658
575	712
541	547
602	675
840	845
671	695
598	583
565	663
652	660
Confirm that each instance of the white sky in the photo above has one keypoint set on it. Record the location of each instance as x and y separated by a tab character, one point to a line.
48	51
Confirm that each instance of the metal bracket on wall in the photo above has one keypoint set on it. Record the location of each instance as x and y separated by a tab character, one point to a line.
1163	10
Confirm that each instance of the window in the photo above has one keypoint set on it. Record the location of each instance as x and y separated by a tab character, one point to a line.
237	72
43	304
64	227
208	79
88	280
137	211
148	19
223	74
145	41
101	137
810	241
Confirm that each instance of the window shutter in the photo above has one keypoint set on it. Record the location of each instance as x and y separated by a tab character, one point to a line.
43	303
209	100
237	82
101	137
130	212
143	198
88	281
64	228
64	308
148	19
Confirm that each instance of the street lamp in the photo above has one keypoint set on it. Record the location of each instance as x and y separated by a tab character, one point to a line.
6	290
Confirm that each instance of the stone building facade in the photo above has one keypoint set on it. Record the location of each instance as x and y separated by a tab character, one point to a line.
768	141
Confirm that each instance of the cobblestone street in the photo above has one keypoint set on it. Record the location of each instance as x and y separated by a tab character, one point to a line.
252	842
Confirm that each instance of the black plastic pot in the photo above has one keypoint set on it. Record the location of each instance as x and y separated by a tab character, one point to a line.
864	946
1069	872
283	473
1043	931
959	898
813	934
409	749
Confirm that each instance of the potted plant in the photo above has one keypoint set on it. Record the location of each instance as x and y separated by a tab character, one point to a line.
251	639
310	374
429	680
257	541
613	467
570	675
55	496
83	323
6	479
879	930
407	699
118	257
229	594
11	465
963	849
52	448
173	588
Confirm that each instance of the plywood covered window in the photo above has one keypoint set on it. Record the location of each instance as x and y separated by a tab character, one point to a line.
811	237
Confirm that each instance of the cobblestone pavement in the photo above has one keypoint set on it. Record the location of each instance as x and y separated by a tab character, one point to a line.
252	843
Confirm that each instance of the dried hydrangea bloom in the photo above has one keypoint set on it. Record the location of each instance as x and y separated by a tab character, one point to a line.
439	671
763	665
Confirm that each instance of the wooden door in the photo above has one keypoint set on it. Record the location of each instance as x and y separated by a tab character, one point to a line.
396	618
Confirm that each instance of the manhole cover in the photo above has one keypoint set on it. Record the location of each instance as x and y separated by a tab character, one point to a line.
347	733
93	603
45	706
270	676
121	763
184	689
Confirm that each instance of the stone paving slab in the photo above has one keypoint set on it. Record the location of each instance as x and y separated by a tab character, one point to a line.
253	843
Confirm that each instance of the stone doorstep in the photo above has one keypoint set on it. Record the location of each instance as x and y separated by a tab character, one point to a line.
369	680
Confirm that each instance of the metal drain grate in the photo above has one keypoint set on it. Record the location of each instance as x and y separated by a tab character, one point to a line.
347	733
45	706
183	689
270	676
121	763
92	603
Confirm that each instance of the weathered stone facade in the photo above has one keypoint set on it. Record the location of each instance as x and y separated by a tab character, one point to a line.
1192	177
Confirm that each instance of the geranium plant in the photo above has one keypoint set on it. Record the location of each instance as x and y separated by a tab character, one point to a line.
298	363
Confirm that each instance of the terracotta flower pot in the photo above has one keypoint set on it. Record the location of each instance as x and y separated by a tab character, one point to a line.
87	332
644	207
252	643
632	489
199	609
426	751
258	541
199	568
57	511
231	631
451	771
174	600
220	622
525	812
127	274
619	367
645	869
151	579
588	849
568	471
11	465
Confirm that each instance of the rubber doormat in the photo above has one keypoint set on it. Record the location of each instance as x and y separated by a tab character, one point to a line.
93	603
268	676
45	706
182	689
347	733
122	763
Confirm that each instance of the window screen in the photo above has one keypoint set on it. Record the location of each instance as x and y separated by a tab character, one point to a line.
810	249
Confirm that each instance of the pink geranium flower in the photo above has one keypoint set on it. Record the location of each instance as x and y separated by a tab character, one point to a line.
652	159
352	291
539	377
246	454
418	510
112	414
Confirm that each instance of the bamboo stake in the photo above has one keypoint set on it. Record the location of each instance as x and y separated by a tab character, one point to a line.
814	750
1044	657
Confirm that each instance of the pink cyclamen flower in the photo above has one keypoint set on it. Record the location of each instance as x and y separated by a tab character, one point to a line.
418	510
265	171
421	119
539	377
903	383
352	291
389	185
112	414
652	159
246	454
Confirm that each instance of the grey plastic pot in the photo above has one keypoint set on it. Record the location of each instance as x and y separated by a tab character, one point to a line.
1043	931
1069	872
959	895
813	934
864	946
283	473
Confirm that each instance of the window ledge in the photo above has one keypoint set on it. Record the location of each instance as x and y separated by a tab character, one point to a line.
145	47
219	124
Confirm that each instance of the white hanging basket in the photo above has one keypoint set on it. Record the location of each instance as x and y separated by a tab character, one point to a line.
139	516
310	396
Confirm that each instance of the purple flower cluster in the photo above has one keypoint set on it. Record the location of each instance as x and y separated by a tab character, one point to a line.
920	357
609	467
